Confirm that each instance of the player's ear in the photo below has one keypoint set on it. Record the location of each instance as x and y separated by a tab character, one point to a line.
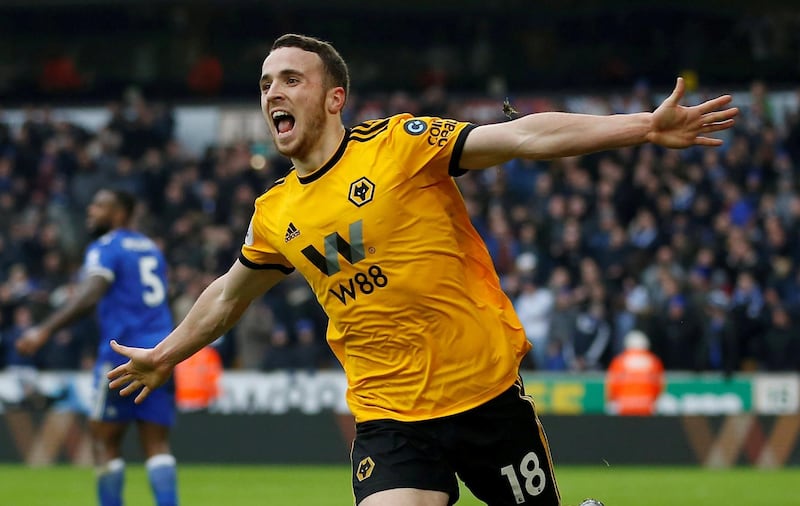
336	99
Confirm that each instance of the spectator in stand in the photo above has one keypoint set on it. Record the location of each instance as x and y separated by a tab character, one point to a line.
534	306
589	340
644	234
502	244
749	314
22	320
784	282
780	348
635	378
760	113
568	250
614	257
253	335
307	349
531	250
564	313
539	200
280	354
632	310
665	264
554	359
719	350
679	335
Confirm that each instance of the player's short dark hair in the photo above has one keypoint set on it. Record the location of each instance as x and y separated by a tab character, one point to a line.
126	200
332	61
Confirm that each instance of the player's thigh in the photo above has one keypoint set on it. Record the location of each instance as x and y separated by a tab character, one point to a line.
406	497
107	439
153	438
402	457
504	456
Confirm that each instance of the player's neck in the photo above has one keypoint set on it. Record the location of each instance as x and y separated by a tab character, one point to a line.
323	150
119	228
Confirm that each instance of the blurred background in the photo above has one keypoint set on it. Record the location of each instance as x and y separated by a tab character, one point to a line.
189	50
698	250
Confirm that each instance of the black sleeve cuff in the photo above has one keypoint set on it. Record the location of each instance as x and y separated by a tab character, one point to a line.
252	265
455	159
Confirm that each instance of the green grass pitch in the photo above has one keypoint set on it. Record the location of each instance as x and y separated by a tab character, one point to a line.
329	486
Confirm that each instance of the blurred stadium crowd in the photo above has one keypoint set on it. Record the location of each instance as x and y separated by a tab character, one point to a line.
203	49
698	248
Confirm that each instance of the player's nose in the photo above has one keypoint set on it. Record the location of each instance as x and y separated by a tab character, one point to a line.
275	92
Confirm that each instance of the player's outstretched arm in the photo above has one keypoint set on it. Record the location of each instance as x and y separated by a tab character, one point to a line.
86	297
549	135
217	309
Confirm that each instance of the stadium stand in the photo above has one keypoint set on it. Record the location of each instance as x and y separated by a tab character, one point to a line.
700	249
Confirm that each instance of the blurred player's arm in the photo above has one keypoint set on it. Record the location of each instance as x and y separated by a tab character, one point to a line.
215	312
87	294
549	135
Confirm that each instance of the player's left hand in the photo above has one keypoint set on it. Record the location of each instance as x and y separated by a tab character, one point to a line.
142	372
31	340
677	126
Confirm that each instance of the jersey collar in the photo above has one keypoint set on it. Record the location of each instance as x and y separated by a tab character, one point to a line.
329	164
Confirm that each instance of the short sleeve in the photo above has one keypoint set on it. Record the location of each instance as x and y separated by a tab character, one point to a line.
99	261
258	253
430	146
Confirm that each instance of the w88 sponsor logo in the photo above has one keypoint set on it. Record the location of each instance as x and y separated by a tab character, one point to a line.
362	283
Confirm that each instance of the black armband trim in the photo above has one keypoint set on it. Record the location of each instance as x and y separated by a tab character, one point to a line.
252	265
455	159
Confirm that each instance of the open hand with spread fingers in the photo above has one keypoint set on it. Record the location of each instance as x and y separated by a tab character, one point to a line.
141	373
677	126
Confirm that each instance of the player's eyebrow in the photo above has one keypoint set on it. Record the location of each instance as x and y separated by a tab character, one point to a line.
282	73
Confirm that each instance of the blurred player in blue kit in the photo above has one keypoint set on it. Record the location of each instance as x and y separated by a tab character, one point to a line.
124	278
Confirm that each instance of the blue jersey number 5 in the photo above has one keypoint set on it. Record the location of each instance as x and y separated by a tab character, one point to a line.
154	291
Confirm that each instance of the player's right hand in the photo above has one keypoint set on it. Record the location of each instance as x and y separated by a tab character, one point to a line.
140	373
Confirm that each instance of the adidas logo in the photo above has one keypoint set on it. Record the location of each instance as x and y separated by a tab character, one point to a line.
291	232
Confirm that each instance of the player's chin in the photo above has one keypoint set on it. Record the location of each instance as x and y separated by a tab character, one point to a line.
288	145
96	232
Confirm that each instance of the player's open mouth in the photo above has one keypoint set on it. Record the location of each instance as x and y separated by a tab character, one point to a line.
284	122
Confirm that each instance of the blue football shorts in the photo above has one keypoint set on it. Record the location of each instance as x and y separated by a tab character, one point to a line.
109	406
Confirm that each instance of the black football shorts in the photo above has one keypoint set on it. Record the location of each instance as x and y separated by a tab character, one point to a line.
499	450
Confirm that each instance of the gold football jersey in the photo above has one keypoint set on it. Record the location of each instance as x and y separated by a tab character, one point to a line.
381	232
